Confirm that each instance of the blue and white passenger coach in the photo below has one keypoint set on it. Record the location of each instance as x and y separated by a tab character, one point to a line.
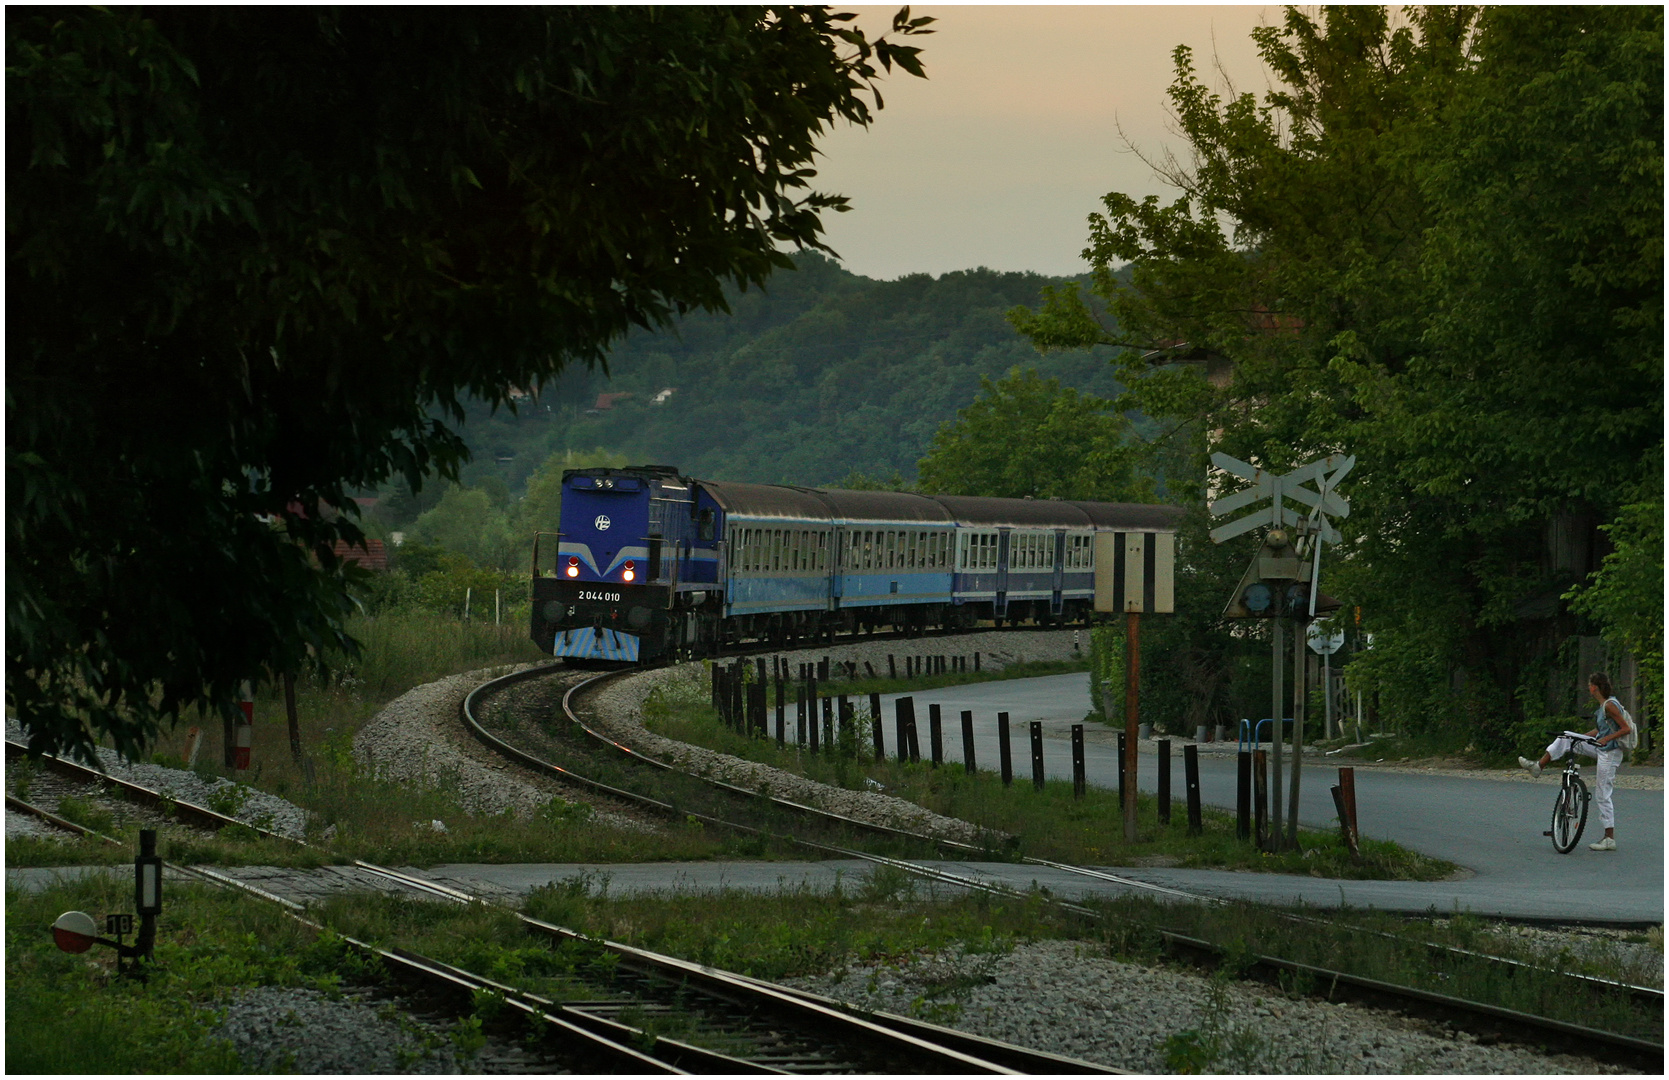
651	564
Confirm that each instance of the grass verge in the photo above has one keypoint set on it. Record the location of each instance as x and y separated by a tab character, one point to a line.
1051	823
73	1014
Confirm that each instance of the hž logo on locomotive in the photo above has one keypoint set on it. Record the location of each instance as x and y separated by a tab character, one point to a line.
602	523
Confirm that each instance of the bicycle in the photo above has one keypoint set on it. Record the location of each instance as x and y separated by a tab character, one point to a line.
1570	806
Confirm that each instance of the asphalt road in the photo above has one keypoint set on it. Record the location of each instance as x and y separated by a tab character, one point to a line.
1493	828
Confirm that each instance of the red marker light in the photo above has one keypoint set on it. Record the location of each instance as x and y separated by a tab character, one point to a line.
630	572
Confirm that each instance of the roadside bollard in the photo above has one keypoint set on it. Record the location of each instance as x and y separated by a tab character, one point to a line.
1078	761
1164	781
935	735
967	742
782	688
1191	777
1243	796
1037	754
1121	769
1005	753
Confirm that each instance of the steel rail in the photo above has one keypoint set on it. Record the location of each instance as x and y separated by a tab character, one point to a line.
467	711
1485	1017
201	816
1650	996
901	1042
1646	995
937	1048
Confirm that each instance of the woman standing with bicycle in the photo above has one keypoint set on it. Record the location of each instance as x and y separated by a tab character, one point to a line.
1613	734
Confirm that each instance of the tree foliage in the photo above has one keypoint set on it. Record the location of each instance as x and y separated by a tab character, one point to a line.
1437	246
249	248
1030	437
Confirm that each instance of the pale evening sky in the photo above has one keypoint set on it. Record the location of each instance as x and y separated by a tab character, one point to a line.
998	158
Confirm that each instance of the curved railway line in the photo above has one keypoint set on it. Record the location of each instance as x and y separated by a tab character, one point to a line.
768	1028
1481	1019
593	1033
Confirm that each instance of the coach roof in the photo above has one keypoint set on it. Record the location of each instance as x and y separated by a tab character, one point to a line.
1017	513
767	501
890	506
1132	517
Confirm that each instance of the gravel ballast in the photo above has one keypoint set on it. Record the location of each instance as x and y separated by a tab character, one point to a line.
1071	998
294	1030
247	804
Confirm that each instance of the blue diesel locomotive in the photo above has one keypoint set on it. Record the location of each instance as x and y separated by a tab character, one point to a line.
650	564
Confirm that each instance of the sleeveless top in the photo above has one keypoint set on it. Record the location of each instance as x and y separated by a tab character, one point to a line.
1606	725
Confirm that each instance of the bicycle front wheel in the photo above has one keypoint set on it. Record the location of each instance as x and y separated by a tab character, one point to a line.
1570	815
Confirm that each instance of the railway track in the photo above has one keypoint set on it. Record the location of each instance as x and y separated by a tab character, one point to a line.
763	1027
1484	1020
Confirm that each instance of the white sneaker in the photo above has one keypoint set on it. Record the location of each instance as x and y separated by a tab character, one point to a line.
1534	768
1606	844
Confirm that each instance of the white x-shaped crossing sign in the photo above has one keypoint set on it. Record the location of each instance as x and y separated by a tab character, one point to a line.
1325	473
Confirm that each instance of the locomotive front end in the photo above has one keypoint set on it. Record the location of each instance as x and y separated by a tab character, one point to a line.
604	597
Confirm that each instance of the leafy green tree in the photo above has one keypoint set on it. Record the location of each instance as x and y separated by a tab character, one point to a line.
1436	246
466	521
1027	436
250	249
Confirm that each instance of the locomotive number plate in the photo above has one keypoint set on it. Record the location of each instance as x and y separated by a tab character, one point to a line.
589	594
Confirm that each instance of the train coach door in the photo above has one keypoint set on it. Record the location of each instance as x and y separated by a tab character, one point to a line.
1056	581
1000	605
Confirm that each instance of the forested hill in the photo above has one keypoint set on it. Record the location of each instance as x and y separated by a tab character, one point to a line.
824	374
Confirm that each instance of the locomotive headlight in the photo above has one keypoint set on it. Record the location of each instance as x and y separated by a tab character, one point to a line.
629	573
573	566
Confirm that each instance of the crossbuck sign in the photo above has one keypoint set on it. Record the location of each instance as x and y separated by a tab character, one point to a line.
1325	473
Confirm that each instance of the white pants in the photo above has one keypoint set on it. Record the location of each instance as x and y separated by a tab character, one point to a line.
1606	772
